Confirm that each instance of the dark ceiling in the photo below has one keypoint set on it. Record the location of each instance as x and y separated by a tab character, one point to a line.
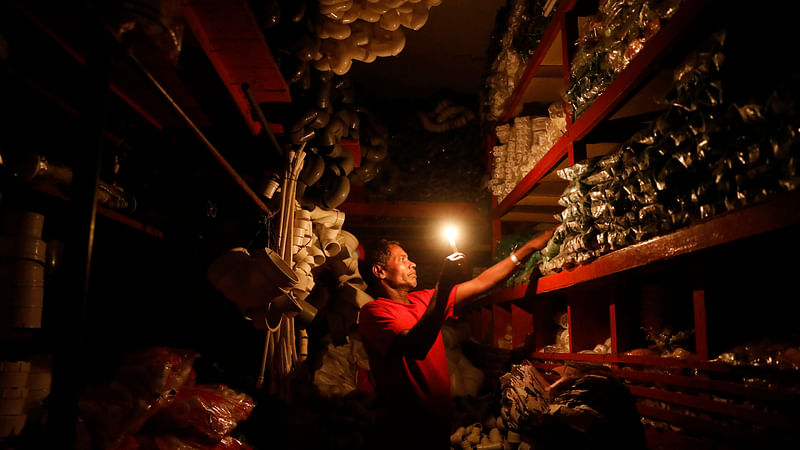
449	51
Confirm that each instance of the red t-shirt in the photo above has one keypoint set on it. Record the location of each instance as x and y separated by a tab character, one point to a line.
399	381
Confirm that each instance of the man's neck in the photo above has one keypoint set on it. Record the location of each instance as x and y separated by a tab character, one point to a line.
399	295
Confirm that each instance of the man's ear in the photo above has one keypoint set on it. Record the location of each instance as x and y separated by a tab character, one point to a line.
377	270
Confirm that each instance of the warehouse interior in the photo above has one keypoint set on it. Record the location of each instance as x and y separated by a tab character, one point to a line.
155	152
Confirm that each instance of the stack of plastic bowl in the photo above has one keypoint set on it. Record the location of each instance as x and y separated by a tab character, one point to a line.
22	259
13	395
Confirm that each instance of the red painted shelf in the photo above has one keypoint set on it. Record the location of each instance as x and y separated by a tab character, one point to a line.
105	212
231	38
531	69
67	34
627	82
773	214
411	209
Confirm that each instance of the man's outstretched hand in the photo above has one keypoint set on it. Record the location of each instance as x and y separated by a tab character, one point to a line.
540	241
452	271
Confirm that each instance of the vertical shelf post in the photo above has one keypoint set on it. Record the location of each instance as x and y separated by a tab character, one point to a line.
68	365
700	323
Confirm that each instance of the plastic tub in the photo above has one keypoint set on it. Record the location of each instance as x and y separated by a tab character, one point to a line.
21	306
14	373
22	247
12	400
22	272
23	223
11	425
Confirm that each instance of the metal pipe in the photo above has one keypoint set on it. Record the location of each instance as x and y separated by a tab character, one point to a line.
261	117
217	155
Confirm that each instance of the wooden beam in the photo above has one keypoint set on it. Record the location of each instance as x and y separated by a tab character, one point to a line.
461	211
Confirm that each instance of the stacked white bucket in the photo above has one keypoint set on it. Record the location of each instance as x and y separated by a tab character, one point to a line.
23	387
22	257
13	395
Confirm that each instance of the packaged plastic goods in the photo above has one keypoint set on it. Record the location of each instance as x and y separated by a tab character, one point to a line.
144	383
210	410
705	155
608	41
518	31
587	407
523	144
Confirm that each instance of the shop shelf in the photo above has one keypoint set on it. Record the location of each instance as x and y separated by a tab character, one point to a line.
772	214
624	86
231	38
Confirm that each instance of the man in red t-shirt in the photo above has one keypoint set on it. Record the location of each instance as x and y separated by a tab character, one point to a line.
401	331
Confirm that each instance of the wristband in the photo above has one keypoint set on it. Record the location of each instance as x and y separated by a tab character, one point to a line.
515	260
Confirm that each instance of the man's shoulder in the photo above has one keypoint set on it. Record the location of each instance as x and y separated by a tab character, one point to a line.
378	304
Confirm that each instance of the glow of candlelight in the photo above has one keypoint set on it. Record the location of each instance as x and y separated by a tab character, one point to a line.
450	233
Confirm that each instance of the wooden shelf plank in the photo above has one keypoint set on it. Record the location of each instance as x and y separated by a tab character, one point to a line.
610	358
645	62
626	83
707	385
696	424
751	415
232	40
103	211
773	214
454	210
532	69
145	103
548	161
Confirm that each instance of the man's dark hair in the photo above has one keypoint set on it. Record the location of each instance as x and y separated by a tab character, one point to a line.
378	252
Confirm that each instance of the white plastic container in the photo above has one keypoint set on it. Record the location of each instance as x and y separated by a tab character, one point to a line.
40	380
21	272
11	425
12	400
13	247
14	373
23	223
21	306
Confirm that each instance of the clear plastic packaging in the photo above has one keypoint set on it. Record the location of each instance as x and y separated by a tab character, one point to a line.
211	410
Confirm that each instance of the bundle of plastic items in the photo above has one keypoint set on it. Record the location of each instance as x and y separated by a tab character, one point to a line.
587	407
522	145
562	335
522	29
506	68
523	399
344	369
144	383
610	39
211	411
465	378
670	343
490	435
154	390
772	352
703	156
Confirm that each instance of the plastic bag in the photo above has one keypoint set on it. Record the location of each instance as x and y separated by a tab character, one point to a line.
212	410
174	442
144	383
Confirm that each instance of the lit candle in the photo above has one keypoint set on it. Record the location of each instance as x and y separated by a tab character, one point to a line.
450	233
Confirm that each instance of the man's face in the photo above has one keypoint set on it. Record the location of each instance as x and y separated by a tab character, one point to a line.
399	272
